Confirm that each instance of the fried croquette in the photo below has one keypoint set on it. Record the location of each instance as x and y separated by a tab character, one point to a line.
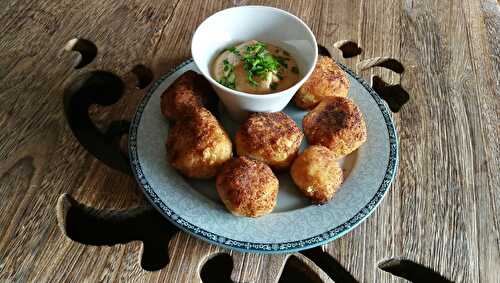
336	123
272	138
247	187
326	80
190	90
317	173
197	145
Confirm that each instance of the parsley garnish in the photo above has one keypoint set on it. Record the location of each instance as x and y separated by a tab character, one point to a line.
282	61
229	79
257	61
233	50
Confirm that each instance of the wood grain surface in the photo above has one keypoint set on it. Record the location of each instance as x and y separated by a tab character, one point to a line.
442	211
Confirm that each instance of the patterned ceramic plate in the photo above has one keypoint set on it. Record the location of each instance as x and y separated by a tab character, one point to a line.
295	224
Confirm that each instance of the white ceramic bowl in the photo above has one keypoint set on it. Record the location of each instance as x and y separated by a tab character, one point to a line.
235	25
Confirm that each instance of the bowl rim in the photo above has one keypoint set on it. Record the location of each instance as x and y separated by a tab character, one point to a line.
255	95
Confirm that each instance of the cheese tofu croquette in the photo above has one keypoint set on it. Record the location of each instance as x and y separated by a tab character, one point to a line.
190	90
247	187
272	138
327	80
336	123
197	145
317	173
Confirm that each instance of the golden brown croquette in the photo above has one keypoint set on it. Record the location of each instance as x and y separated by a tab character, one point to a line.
317	173
336	123
272	138
247	187
326	80
197	145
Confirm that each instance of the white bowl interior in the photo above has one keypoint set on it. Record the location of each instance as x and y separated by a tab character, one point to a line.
267	24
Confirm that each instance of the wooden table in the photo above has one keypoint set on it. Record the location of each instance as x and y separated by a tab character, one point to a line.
442	211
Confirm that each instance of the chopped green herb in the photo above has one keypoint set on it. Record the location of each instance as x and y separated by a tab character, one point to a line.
282	61
233	50
295	69
228	67
256	47
251	80
228	82
258	62
229	78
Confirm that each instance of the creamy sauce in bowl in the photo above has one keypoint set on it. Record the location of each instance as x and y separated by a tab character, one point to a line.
255	67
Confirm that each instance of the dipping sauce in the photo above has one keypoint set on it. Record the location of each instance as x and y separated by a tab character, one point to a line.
255	67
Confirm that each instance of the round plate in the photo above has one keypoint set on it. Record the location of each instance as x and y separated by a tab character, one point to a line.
295	224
